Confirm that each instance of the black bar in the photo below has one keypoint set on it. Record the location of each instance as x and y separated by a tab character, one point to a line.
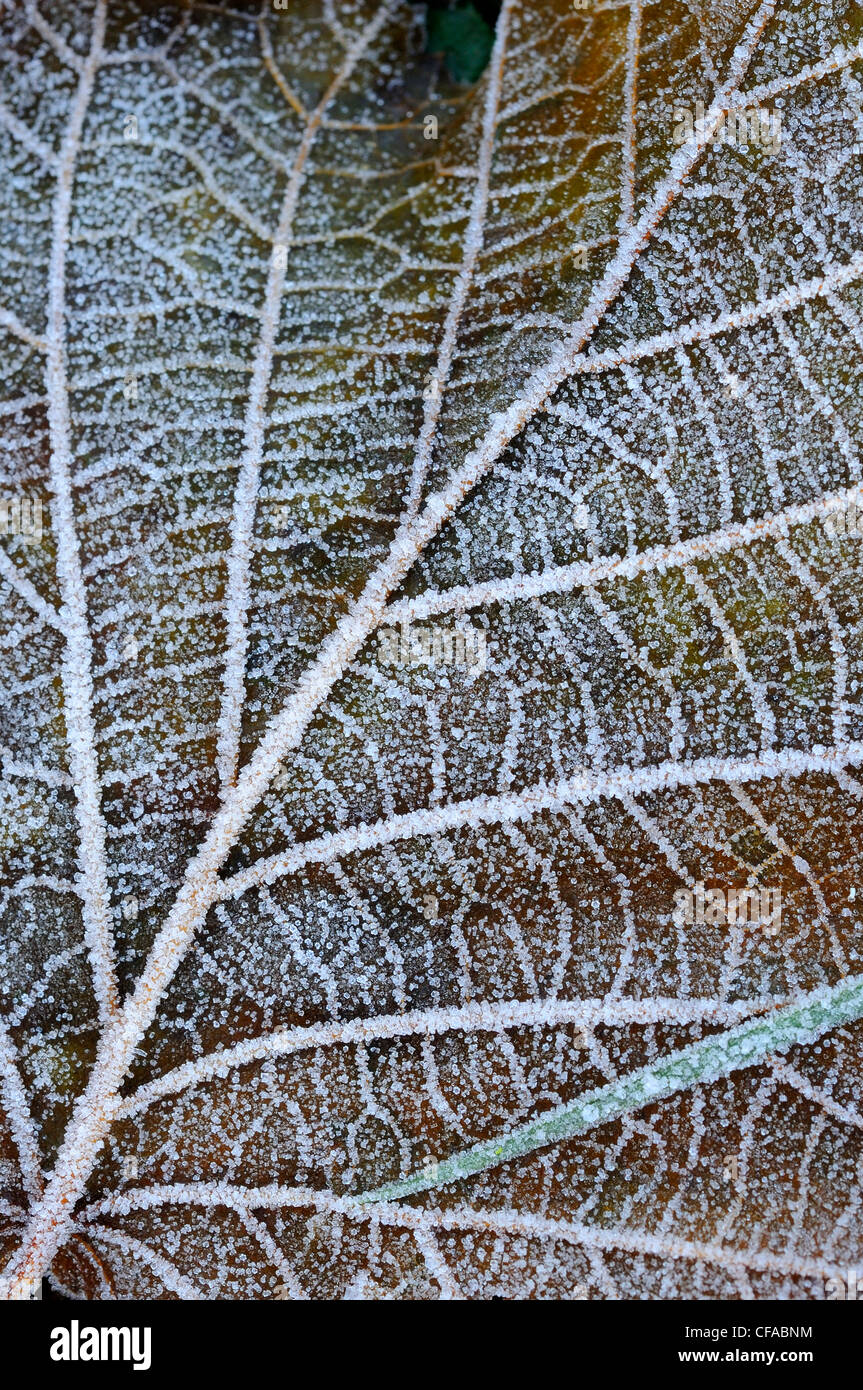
610	1339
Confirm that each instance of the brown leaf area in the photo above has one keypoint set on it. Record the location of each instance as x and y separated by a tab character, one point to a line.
448	578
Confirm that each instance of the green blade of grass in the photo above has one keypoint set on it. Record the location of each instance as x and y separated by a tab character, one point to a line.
708	1060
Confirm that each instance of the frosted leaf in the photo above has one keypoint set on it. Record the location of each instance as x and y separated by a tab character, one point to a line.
432	687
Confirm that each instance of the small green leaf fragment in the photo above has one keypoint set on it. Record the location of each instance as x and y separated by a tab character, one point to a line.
463	37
